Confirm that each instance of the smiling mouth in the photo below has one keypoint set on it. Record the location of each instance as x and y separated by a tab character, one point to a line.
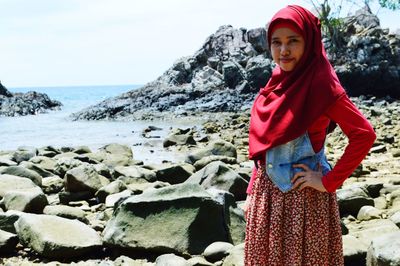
286	60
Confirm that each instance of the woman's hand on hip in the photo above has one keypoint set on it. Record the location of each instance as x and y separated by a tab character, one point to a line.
308	178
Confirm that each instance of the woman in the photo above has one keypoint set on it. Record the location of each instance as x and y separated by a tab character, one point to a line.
291	209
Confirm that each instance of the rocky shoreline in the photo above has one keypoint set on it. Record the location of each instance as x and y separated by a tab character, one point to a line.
21	104
71	205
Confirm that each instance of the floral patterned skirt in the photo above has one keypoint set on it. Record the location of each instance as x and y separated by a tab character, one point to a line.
293	228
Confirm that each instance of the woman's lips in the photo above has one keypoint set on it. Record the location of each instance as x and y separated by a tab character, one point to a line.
286	60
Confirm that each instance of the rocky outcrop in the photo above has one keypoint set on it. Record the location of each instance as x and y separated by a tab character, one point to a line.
233	64
30	103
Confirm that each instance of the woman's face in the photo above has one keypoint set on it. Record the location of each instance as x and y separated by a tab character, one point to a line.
287	47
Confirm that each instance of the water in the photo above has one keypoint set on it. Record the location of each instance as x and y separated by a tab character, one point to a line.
55	128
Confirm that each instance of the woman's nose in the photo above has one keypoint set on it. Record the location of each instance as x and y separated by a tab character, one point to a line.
285	50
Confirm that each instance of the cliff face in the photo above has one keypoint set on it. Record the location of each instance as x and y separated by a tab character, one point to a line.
233	64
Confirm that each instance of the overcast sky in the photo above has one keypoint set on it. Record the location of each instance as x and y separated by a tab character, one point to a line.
110	42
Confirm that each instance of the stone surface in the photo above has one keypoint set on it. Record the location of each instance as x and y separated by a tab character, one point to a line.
56	237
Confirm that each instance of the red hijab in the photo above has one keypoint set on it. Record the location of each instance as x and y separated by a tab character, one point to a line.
291	101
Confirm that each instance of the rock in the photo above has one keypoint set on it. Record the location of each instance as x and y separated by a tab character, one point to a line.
368	213
199	261
84	178
171	260
66	197
24	154
396	218
65	164
112	199
45	163
218	175
20	193
219	147
6	162
52	184
112	188
212	158
182	139
126	261
384	250
8	242
351	199
81	150
174	173
23	172
235	257
135	172
66	212
115	148
55	237
366	231
149	221
4	91
354	251
37	169
7	221
217	251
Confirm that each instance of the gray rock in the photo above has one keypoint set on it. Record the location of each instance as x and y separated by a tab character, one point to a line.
84	178
354	251
171	260
219	175
23	172
24	154
199	261
8	242
217	251
181	139
30	103
351	199
219	147
396	218
7	221
384	250
56	237
37	168
66	212
149	221
236	256
52	184
366	231
4	161
126	261
20	193
65	164
112	199
115	148
112	188
174	173
212	158
368	213
135	172
43	162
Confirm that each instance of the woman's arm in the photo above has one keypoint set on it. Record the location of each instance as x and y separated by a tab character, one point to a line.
361	137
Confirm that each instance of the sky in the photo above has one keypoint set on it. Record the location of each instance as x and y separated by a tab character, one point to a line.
115	42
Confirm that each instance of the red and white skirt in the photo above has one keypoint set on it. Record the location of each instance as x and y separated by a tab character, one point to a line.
293	228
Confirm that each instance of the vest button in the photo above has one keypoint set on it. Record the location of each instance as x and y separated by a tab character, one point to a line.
270	165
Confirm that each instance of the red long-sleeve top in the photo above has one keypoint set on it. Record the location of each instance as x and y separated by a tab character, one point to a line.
359	132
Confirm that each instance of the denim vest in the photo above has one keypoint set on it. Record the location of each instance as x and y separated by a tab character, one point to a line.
280	159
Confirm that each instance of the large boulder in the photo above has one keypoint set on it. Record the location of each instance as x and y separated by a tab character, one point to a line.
183	219
55	237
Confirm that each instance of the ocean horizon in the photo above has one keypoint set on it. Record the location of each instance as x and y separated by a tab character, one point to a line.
56	128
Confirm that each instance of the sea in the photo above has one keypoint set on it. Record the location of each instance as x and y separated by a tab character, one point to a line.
56	128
